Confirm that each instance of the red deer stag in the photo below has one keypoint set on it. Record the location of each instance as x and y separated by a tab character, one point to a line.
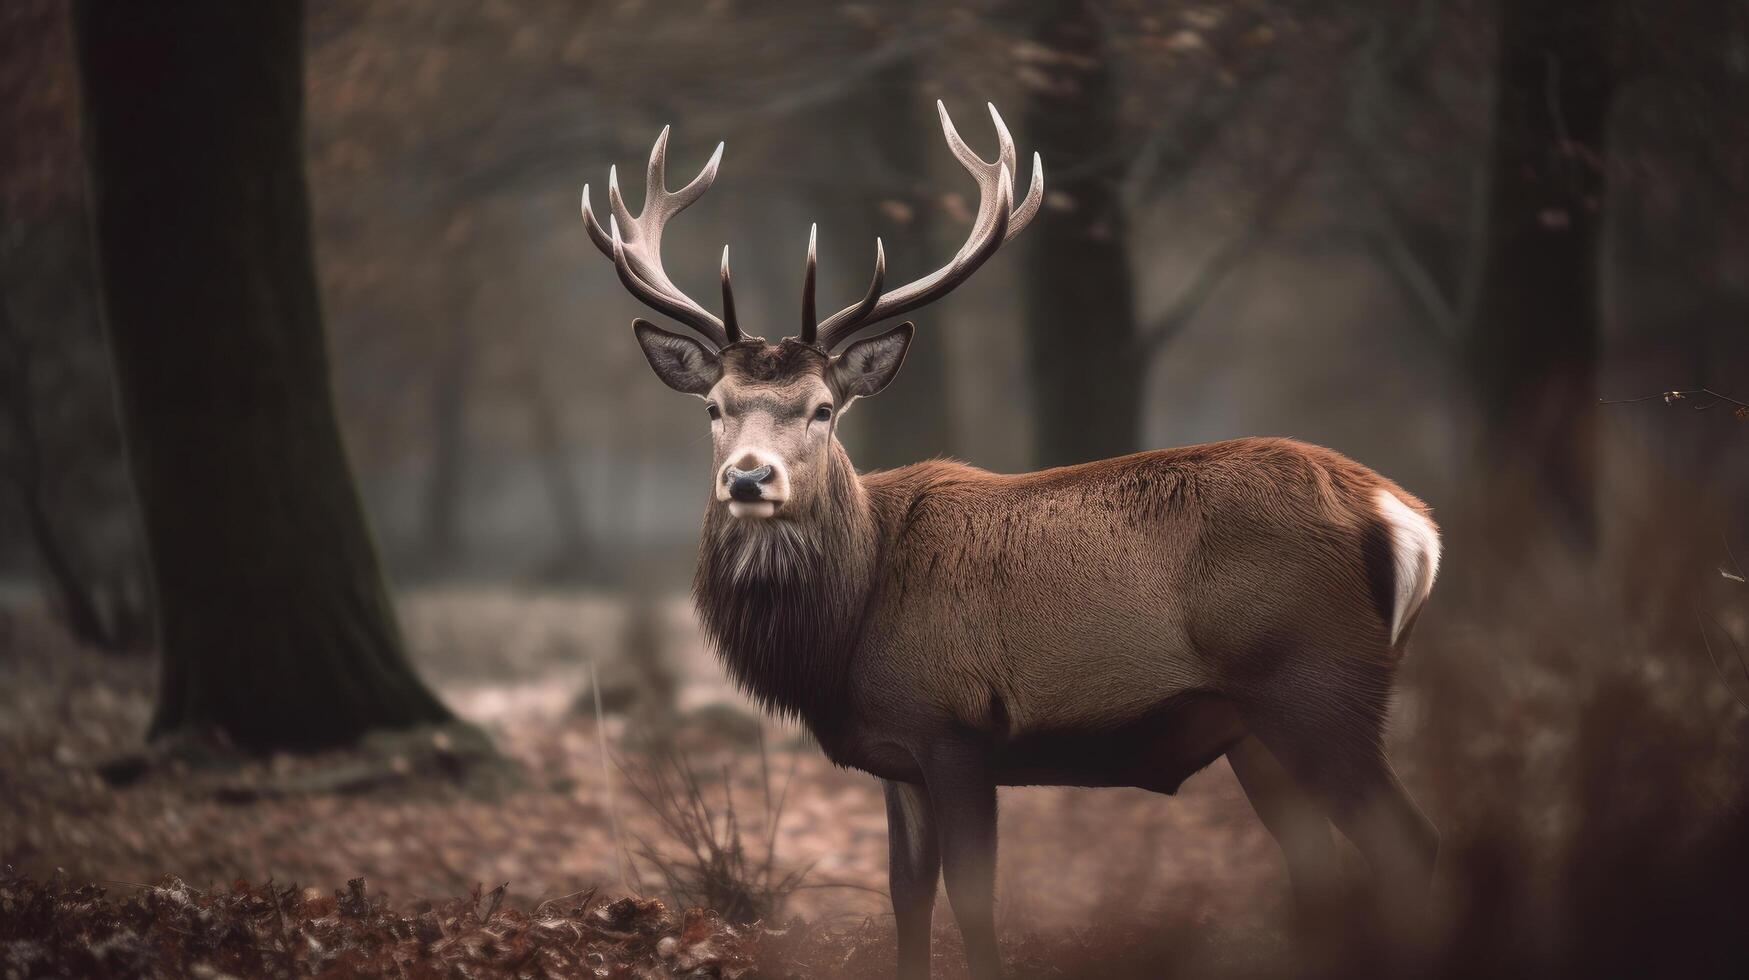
1118	623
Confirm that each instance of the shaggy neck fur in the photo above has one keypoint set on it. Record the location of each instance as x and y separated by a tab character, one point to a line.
783	599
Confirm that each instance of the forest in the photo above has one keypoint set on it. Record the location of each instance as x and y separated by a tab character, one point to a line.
348	545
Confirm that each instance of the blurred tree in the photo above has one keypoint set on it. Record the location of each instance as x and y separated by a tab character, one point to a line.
1416	134
275	623
569	559
74	594
897	133
450	391
1533	344
60	443
1079	298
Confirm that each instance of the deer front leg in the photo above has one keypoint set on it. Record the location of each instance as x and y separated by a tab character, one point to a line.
913	868
962	789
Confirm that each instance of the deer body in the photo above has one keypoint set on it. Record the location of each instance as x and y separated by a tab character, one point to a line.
1092	623
1119	623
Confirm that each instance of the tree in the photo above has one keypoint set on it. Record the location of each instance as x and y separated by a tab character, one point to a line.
899	136
451	388
1080	304
1533	345
63	484
275	624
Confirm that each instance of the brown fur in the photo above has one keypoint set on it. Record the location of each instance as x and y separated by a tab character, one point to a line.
1118	623
786	620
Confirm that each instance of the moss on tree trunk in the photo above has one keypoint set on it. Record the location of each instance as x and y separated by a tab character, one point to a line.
275	624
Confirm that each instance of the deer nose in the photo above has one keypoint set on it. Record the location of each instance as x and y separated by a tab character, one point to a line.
744	484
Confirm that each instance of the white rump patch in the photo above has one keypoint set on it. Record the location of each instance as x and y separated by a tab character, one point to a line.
1415	548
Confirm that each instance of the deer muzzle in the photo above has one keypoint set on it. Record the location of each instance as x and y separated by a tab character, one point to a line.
752	487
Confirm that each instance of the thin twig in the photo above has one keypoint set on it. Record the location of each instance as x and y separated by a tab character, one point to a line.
1274	198
765	773
1707	641
782	798
1736	565
1672	397
607	777
133	884
882	892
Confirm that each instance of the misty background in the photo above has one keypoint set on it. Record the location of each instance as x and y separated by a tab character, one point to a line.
1272	214
1497	251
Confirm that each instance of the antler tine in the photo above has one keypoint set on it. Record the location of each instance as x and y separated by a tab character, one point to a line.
873	296
997	221
731	328
1004	141
810	322
1029	205
1005	156
1035	190
695	189
656	177
965	154
1000	209
682	310
616	202
635	243
597	234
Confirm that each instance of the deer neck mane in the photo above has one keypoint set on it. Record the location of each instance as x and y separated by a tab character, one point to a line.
782	599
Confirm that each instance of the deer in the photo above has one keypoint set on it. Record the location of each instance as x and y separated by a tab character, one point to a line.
949	630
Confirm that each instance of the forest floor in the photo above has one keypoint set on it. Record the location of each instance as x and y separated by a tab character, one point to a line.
565	820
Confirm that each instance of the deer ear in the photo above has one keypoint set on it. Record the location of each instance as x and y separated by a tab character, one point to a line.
868	366
682	363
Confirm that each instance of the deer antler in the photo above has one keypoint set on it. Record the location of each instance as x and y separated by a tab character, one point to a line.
635	244
998	220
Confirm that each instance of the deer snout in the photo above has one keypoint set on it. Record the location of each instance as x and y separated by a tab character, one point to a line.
753	484
744	484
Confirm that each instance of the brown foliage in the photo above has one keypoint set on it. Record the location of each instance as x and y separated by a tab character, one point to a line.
54	928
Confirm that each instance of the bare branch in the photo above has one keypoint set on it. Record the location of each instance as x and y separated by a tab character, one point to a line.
1700	399
1215	270
1384	239
1174	147
1717	668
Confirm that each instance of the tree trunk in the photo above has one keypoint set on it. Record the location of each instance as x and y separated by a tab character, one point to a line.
67	590
275	625
1534	343
1080	306
912	420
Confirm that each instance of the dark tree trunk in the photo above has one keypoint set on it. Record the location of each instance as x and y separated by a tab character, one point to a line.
912	419
67	589
1080	308
1534	343
275	623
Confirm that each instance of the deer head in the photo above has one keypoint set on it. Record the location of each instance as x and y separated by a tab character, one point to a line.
774	407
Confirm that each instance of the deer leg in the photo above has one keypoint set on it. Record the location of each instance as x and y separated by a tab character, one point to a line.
913	869
1294	819
1327	729
1398	840
962	789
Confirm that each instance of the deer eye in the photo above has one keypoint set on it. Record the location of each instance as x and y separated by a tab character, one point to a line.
714	412
823	413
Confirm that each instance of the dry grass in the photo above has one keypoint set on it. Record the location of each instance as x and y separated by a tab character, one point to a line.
709	863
